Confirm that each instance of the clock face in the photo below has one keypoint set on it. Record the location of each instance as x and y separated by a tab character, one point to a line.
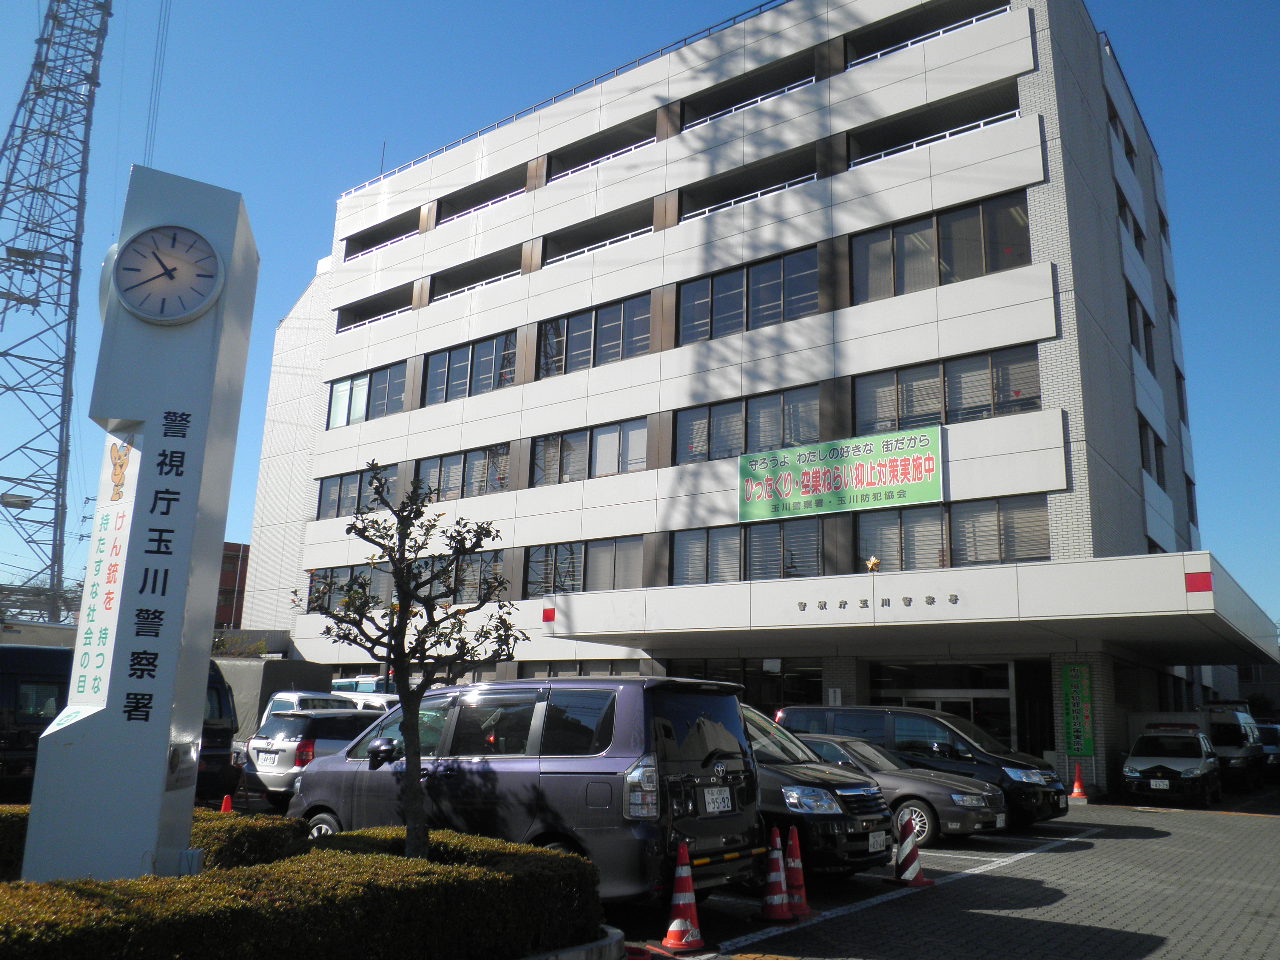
167	275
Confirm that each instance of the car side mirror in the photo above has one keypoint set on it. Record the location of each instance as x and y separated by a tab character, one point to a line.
382	750
944	750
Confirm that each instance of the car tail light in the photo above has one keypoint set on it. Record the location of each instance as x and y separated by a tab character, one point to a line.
641	781
777	717
306	752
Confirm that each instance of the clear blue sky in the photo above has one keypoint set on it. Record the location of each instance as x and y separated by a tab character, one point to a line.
291	103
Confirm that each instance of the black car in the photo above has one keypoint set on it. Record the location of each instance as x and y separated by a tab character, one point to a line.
940	803
947	743
841	816
619	769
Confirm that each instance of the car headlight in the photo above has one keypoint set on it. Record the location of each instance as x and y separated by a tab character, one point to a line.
1238	762
1025	776
1193	772
968	800
1130	771
810	800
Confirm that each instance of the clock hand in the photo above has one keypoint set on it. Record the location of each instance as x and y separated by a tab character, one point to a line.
168	271
148	280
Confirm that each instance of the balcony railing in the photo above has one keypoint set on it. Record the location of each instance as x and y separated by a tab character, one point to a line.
776	188
598	246
381	316
475	286
605	159
967	128
738	108
381	246
479	206
603	78
926	37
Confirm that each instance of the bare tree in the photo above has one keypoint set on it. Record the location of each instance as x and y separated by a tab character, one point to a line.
428	608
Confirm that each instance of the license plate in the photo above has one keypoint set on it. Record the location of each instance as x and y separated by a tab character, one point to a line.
1159	784
1000	821
1062	799
876	841
266	759
717	800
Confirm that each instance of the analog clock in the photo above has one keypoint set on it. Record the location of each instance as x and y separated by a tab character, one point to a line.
167	275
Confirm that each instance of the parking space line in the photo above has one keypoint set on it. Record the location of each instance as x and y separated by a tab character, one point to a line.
954	856
756	936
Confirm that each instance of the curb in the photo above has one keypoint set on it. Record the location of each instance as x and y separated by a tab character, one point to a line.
608	947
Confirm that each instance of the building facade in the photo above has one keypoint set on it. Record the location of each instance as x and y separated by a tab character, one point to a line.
835	353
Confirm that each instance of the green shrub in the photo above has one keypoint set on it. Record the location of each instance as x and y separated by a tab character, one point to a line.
13	838
227	839
325	904
232	840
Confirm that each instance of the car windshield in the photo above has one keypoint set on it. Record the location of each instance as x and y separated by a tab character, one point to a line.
978	737
880	761
690	724
772	744
1181	748
282	727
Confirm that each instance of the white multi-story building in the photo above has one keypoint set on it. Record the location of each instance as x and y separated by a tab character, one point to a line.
925	240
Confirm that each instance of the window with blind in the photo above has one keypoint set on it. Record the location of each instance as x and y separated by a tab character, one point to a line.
766	422
344	495
473	473
968	533
599	452
470	369
367	396
748	298
612	564
947	247
965	388
708	555
790	548
594	337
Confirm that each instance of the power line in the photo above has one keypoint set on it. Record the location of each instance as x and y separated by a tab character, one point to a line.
157	80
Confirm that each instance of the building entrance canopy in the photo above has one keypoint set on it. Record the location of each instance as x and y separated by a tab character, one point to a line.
1174	609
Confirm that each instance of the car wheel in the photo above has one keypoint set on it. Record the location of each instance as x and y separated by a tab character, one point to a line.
926	821
322	825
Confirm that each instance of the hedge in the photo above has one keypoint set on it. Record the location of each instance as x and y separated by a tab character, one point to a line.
349	895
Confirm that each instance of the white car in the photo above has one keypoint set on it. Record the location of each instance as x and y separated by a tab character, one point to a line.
285	700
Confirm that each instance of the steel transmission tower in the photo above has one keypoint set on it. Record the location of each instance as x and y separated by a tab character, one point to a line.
44	163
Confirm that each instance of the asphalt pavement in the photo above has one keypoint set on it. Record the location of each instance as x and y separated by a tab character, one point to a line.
1105	882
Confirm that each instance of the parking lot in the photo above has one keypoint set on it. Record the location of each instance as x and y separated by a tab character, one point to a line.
1106	882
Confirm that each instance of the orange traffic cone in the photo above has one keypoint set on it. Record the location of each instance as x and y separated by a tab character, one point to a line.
907	870
226	803
775	907
1077	791
795	877
683	932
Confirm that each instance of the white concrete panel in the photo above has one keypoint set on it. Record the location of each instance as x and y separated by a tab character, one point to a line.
609	406
692	250
1188	458
479	430
1148	396
882	351
881	175
1022	285
1136	270
642	371
896	68
617	520
789	338
974	61
498	507
446	438
630	489
436	416
703	607
867	212
715	476
385	433
627	280
999	327
540	528
910	311
617	611
789	369
1128	182
698	510
555	417
854	106
631	178
1005	456
1160	513
707	387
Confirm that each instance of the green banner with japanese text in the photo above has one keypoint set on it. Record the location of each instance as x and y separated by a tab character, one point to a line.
1077	708
862	473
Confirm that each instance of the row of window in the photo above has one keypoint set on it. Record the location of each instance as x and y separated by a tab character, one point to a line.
942	248
326	586
968	533
953	391
344	495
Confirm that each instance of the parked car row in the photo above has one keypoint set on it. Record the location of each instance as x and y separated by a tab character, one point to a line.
624	769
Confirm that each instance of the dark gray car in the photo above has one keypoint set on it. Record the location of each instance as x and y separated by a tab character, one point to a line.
941	803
